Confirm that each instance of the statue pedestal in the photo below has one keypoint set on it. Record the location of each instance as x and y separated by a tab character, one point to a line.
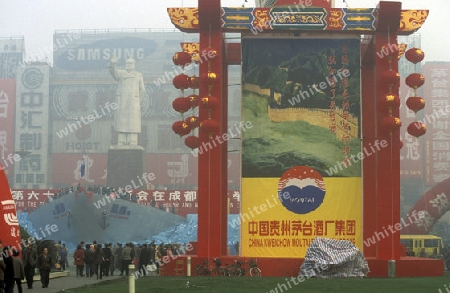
125	167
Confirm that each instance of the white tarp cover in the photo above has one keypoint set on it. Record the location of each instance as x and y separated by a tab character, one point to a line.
331	258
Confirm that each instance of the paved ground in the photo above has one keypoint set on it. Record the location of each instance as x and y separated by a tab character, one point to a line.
64	280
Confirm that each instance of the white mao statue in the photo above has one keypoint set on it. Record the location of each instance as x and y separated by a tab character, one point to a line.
130	92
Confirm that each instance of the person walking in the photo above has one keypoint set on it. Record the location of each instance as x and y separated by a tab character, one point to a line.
9	269
98	261
118	257
107	256
2	270
67	254
19	271
112	260
89	260
45	263
152	253
78	257
126	259
143	258
62	257
29	258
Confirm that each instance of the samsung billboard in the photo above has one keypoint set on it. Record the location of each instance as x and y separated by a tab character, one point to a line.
94	55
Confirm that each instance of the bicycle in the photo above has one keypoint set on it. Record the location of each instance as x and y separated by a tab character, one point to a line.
238	269
254	270
202	270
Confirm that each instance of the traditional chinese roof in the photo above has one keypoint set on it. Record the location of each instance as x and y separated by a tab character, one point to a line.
273	19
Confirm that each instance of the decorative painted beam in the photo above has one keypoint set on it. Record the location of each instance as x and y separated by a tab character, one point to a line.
276	19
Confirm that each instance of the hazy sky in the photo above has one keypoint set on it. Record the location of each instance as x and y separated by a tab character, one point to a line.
36	20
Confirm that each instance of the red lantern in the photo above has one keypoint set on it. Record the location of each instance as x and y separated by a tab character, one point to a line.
415	80
193	82
181	81
414	55
181	104
209	103
417	129
191	142
415	103
181	128
194	100
182	58
391	77
192	121
211	78
210	126
391	123
389	100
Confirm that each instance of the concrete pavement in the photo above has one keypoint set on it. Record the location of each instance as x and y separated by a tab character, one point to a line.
65	280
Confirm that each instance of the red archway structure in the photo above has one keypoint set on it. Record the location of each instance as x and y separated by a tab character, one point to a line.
9	223
431	206
381	177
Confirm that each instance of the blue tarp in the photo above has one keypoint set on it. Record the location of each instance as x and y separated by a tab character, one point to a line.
182	233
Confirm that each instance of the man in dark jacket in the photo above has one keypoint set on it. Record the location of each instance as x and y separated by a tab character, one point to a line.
107	255
30	258
98	261
126	259
19	272
45	263
143	258
9	269
2	269
152	253
89	260
118	257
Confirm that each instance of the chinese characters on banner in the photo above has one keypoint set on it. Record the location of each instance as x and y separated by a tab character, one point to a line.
302	232
181	202
410	153
31	131
7	104
331	76
345	107
437	118
271	231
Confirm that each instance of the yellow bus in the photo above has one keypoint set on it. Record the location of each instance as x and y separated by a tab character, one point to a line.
417	242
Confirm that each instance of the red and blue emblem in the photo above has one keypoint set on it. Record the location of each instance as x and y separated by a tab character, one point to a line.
301	189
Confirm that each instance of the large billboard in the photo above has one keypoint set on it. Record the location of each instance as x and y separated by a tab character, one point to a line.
7	105
32	120
437	121
301	161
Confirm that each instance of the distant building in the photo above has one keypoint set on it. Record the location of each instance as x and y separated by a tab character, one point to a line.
53	103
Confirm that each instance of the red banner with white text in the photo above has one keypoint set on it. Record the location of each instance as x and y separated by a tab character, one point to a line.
9	224
180	202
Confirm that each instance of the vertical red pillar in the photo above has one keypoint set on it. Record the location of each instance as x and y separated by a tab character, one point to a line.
388	157
369	130
212	171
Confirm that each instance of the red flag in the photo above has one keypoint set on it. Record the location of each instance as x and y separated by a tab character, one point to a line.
9	224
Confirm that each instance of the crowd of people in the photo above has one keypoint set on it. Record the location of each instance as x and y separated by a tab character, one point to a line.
91	260
103	260
15	268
